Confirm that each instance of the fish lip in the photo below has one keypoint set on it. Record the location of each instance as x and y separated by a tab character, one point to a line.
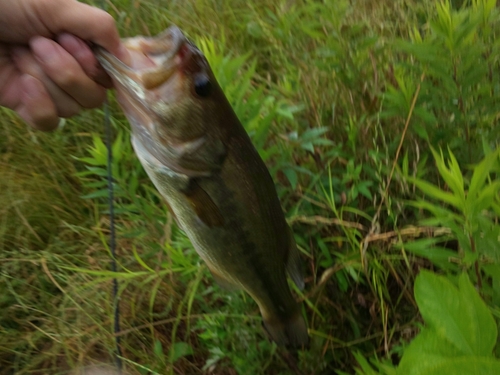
163	50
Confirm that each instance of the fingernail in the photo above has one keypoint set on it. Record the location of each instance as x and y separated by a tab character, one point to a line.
43	49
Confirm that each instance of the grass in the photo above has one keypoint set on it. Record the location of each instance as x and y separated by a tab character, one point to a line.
326	90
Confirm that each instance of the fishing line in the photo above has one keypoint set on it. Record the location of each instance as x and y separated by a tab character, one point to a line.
112	233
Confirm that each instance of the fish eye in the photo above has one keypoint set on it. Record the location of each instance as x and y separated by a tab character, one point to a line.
202	85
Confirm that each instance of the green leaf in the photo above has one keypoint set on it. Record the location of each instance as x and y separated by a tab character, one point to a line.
481	172
436	193
458	316
158	349
292	176
485	198
453	176
366	368
426	248
363	189
179	350
437	211
96	194
460	334
313	133
466	365
481	328
427	350
140	261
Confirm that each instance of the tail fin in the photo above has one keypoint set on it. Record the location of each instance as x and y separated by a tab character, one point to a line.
290	333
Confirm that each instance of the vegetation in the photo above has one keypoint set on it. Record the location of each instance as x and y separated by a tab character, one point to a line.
379	124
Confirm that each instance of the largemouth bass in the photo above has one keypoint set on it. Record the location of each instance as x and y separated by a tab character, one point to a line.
203	163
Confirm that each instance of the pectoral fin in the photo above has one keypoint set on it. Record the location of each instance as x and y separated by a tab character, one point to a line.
205	208
293	263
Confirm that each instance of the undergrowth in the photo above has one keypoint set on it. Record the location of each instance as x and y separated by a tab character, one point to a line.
379	124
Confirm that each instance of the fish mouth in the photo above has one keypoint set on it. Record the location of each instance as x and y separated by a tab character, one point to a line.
154	60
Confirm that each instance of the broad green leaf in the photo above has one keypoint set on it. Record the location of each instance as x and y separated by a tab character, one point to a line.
481	328
427	350
457	315
466	365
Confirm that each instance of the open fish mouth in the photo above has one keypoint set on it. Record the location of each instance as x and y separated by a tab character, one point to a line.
154	60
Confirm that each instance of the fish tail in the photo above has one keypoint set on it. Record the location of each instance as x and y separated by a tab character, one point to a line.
290	333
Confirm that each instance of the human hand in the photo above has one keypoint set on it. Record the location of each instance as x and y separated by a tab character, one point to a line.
47	71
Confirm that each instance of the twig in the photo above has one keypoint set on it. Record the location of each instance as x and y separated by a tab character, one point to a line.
408	232
325	220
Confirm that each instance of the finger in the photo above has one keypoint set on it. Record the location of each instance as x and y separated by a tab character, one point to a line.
67	73
9	80
27	64
36	106
82	53
84	21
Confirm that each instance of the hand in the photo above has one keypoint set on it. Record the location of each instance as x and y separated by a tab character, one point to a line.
47	71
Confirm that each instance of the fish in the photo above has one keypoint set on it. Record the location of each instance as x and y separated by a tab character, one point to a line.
202	161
